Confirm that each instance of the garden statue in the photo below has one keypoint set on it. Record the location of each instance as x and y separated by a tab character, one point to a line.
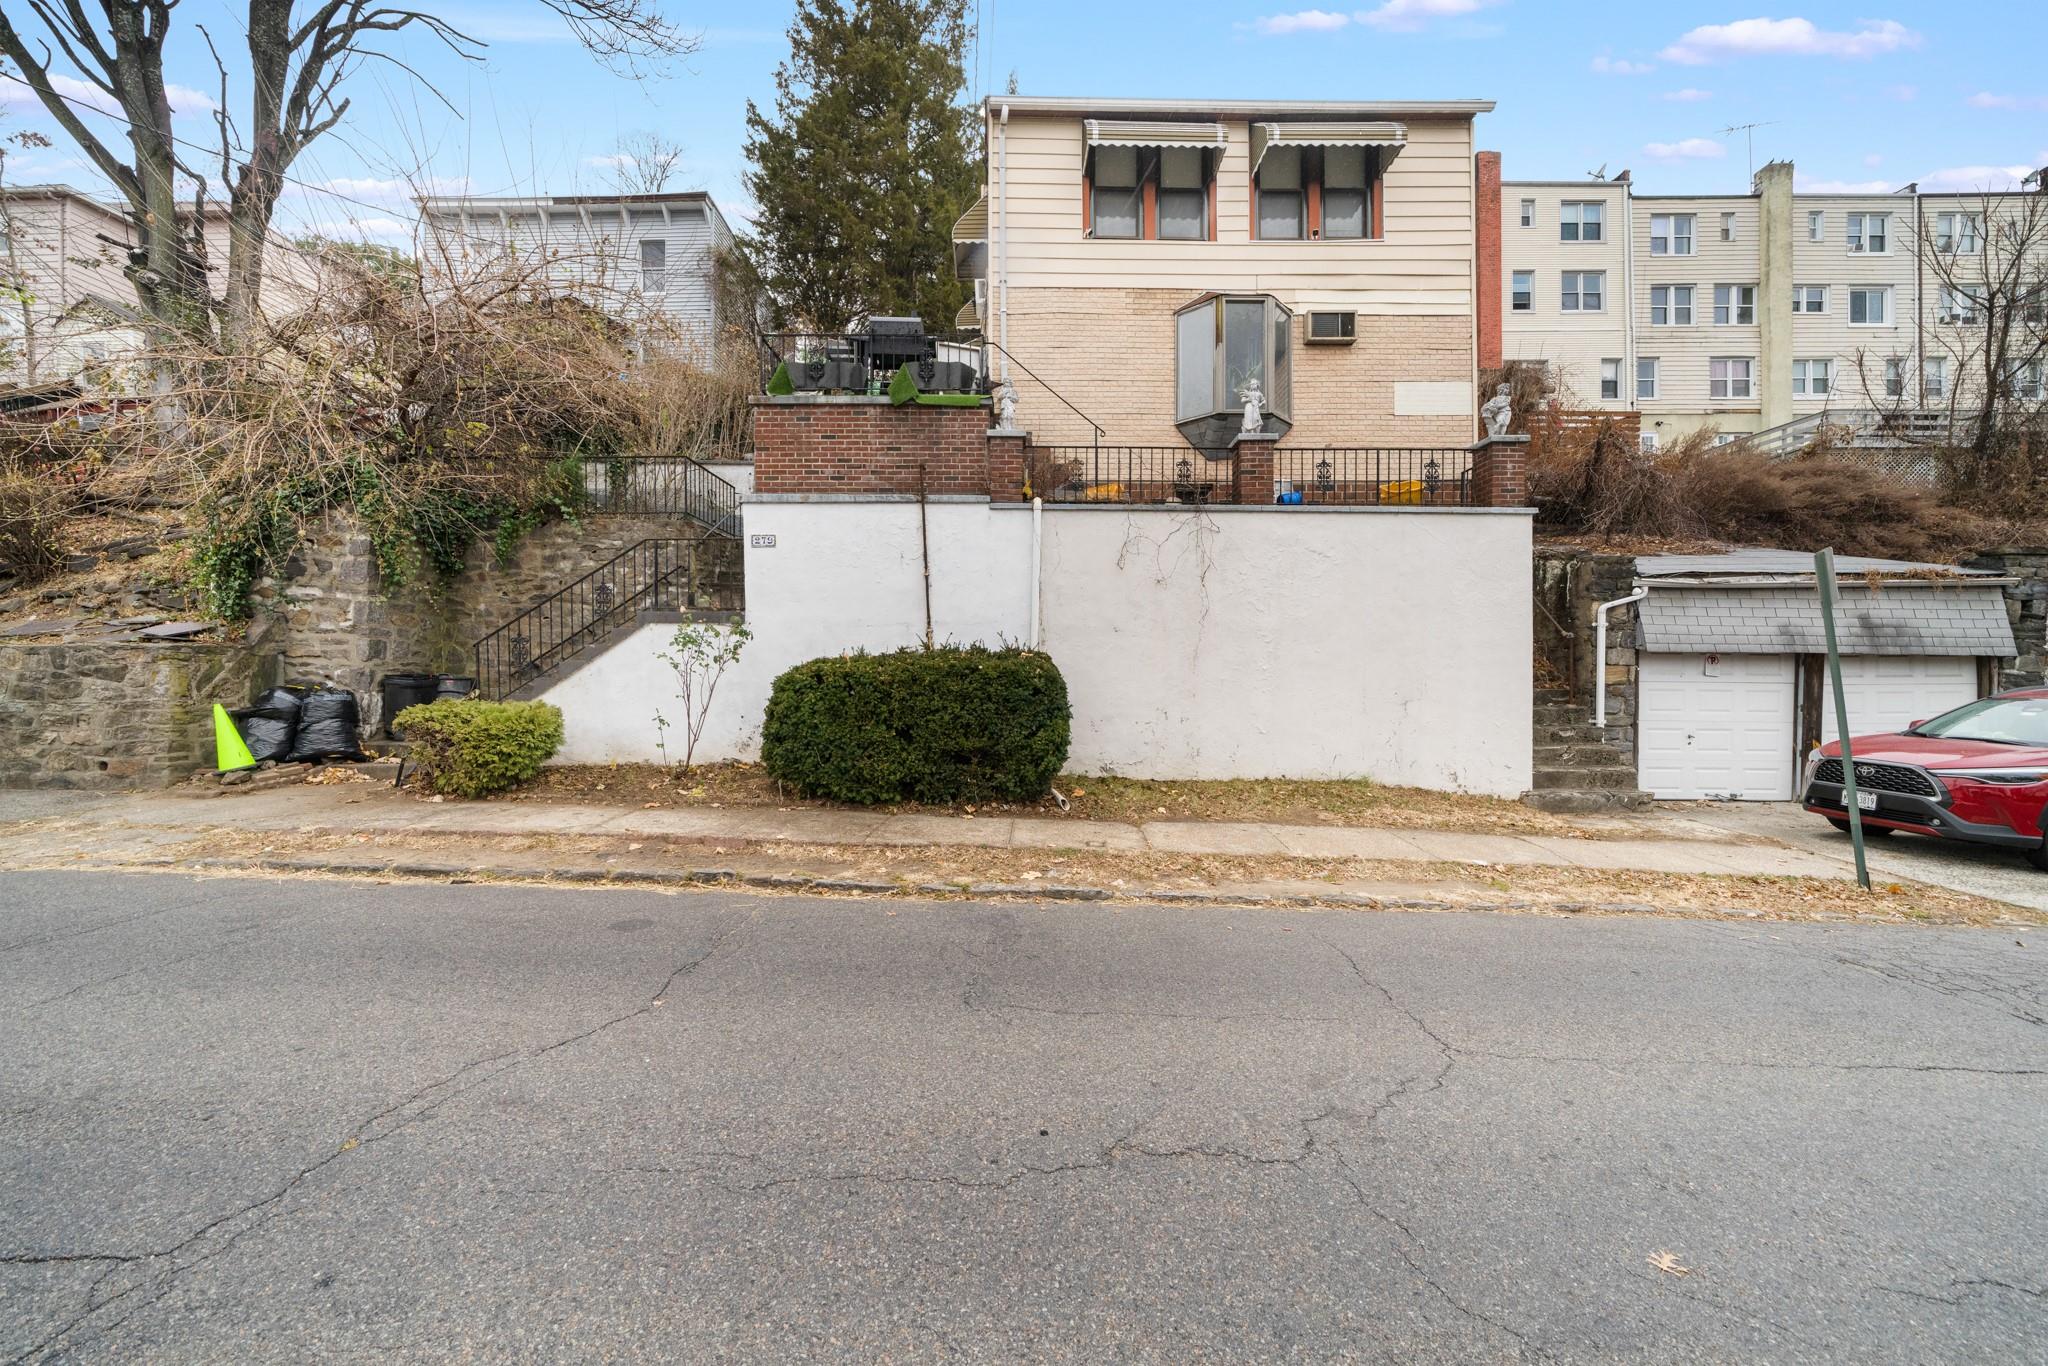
1498	411
1254	403
1006	409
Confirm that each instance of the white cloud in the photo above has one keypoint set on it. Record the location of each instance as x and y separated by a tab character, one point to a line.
1616	66
1405	16
1301	21
1689	95
1971	178
16	94
1874	160
1686	149
1807	186
1984	99
1788	38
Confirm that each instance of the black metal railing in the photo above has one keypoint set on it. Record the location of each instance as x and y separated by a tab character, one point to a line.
1365	476
654	575
663	486
864	362
1129	474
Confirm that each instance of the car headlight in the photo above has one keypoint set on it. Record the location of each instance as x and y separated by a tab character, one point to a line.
2000	777
1813	757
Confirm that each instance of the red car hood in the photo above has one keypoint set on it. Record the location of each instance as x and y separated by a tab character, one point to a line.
1933	752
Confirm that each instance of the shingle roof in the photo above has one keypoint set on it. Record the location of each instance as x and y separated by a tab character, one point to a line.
1895	619
1764	561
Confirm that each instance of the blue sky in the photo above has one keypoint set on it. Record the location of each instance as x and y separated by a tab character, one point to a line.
1868	94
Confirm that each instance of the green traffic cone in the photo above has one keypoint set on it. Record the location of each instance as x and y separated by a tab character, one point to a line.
229	750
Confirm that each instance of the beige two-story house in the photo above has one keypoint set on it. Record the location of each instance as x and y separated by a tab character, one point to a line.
1137	263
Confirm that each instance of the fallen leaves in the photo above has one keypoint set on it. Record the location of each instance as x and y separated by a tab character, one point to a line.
1668	1263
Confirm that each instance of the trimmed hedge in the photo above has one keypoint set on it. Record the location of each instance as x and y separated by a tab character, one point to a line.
472	749
958	724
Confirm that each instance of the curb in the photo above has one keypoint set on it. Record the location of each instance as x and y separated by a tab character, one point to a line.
699	878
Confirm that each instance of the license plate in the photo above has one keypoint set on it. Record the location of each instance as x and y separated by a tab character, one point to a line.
1867	801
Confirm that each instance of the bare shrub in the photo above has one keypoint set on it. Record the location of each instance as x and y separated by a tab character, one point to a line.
33	515
679	407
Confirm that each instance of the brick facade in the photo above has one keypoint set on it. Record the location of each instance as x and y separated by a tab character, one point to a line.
1110	353
867	445
1486	240
1500	473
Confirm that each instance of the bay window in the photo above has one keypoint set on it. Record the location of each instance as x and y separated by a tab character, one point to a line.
1222	343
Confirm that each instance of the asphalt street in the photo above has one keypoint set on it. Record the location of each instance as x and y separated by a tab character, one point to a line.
292	1120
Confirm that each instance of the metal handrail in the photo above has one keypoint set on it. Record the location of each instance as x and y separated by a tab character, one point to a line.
663	485
1097	426
650	575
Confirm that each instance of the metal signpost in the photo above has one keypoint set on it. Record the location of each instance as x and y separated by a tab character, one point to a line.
1824	572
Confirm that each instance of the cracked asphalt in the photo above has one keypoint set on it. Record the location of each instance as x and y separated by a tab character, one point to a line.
277	1120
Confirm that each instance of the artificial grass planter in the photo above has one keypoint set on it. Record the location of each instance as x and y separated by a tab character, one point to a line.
472	749
956	724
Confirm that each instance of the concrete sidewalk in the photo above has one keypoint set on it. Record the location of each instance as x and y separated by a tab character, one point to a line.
361	808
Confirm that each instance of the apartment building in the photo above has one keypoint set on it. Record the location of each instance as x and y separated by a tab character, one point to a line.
643	257
1739	312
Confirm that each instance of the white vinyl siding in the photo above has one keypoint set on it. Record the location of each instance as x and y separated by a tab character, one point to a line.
1573	343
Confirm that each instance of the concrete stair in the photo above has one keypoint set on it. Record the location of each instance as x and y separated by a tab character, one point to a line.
1576	769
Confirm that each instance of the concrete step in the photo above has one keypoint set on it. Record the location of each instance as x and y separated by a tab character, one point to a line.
1549	779
1570	735
1584	800
1594	755
1560	713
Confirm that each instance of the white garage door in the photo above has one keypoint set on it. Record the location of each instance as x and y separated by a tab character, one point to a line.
1889	692
1716	726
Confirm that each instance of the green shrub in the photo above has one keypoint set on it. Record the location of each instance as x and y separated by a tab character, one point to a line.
472	749
947	725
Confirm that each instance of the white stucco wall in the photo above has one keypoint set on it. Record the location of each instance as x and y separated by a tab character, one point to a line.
1392	644
841	575
1295	642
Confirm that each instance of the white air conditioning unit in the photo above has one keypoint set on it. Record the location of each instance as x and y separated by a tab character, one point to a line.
1330	327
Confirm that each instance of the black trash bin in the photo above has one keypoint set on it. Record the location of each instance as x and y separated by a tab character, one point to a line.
401	691
453	687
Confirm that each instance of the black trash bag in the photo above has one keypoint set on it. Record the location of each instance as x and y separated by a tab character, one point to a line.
329	726
272	724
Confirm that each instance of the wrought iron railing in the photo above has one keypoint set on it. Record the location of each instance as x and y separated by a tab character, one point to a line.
663	486
654	575
1129	474
864	362
1364	476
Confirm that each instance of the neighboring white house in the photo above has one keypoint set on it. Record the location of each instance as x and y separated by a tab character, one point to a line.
1741	311
641	256
66	303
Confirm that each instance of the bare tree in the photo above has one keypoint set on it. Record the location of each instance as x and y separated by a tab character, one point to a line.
18	285
645	163
1986	260
296	70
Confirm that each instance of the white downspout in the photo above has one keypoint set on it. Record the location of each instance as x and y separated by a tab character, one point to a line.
1600	651
1037	560
1003	243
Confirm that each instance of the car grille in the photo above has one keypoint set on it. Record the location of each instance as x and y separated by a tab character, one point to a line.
1880	778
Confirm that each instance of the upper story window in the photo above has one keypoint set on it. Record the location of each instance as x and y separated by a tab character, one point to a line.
1671	305
653	263
1671	234
1307	193
1731	377
1528	213
1727	227
1809	298
1961	304
1870	307
1934	378
1734	305
1585	291
1610	379
1523	295
1868	233
1581	221
1150	193
1816	226
1960	234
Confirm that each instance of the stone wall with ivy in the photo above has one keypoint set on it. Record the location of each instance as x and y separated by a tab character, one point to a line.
329	615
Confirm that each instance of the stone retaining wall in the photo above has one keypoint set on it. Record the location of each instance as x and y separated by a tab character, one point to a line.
2026	602
87	714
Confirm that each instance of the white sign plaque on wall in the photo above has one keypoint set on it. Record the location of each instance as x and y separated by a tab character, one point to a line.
761	540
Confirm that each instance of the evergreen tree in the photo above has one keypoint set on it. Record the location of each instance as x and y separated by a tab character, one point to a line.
864	164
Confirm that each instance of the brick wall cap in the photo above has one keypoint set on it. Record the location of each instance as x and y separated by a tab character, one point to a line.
1483	442
1276	508
863	498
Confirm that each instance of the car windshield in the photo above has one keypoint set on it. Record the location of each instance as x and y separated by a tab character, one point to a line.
2000	720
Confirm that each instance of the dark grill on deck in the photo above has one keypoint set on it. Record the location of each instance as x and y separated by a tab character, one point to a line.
1880	778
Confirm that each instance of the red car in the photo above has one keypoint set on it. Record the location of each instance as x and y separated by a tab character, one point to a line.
1977	774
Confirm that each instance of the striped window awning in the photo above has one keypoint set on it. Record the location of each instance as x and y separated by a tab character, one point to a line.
973	225
1390	136
1139	133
